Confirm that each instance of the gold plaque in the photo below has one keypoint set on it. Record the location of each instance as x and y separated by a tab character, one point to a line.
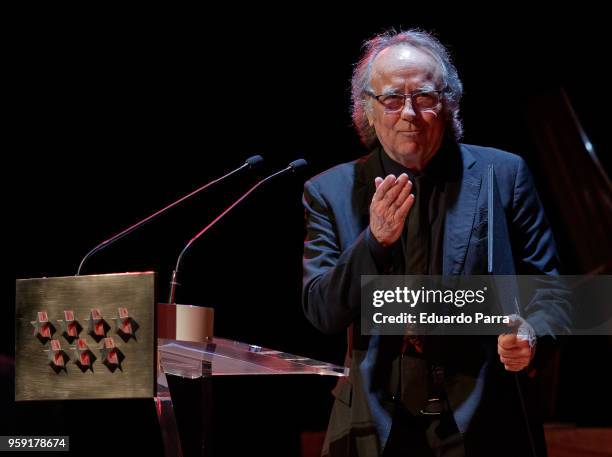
85	337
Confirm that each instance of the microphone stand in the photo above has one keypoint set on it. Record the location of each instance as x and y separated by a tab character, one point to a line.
249	163
173	283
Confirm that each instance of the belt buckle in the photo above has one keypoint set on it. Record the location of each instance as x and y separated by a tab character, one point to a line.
434	407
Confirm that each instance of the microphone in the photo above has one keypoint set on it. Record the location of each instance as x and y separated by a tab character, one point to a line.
253	161
292	167
297	164
249	163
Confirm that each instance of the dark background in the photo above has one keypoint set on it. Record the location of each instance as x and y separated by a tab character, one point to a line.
117	114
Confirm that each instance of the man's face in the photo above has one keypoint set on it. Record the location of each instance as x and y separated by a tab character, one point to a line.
410	137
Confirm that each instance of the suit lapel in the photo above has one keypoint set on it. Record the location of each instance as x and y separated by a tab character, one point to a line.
369	168
461	197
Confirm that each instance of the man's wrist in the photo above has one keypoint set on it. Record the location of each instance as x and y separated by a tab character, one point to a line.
381	253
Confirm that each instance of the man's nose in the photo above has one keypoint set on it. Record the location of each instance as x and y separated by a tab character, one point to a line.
408	112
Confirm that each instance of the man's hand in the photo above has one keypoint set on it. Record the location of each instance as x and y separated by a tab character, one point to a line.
390	205
516	349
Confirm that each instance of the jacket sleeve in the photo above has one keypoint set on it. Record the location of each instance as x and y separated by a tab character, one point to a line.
331	294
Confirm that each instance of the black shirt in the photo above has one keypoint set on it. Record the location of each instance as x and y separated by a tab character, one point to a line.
421	240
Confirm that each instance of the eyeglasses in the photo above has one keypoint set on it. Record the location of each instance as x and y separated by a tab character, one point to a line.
421	100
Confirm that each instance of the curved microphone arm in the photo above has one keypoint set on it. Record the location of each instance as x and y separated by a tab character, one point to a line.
250	162
292	167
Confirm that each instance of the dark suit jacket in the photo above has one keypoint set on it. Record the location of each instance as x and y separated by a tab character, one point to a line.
337	252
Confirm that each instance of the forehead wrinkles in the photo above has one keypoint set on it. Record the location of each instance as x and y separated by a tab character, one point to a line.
406	83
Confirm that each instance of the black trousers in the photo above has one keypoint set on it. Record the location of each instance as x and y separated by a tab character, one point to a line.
424	436
414	434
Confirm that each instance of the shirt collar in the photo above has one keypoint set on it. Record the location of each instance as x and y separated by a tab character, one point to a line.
437	170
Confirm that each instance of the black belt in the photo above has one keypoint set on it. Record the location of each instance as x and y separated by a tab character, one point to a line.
436	402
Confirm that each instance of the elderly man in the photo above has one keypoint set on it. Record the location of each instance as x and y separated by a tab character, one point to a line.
417	204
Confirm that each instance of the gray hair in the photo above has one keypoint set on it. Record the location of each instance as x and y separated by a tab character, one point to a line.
360	83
